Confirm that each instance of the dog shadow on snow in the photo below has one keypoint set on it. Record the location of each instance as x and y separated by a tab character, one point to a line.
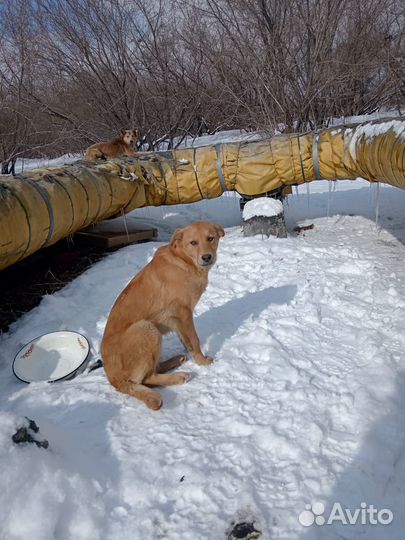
218	324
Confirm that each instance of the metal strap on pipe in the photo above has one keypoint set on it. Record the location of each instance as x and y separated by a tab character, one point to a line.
221	178
44	197
69	173
62	186
11	192
315	155
195	173
300	153
162	174
95	181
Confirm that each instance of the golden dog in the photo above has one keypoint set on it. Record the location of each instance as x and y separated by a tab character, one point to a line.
160	299
121	146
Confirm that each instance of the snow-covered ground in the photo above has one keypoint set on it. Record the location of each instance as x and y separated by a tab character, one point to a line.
304	404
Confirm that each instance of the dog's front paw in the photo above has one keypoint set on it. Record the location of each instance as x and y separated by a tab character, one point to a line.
204	360
183	376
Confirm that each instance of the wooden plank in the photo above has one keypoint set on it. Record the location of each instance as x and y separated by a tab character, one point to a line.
101	237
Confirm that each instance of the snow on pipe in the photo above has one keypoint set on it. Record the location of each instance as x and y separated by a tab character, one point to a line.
42	206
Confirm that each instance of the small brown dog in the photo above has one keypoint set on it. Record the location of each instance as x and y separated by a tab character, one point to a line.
121	146
160	299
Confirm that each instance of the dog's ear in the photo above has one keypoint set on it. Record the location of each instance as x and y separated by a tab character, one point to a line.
135	131
177	237
220	231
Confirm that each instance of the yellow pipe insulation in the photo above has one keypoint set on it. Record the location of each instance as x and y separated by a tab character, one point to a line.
42	206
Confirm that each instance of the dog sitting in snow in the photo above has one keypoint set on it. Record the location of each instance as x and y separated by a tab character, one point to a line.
121	146
160	299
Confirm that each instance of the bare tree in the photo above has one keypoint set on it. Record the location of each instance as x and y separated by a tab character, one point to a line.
75	72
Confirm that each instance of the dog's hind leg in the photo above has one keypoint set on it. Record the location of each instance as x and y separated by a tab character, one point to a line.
93	154
151	398
172	363
129	361
166	379
99	154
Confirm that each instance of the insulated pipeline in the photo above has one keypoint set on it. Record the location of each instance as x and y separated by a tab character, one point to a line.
45	205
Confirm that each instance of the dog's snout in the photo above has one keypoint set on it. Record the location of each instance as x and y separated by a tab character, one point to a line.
206	258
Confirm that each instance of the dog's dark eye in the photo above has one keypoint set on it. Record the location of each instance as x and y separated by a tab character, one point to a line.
210	238
193	242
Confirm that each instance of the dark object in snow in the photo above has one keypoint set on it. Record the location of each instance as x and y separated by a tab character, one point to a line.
267	225
182	479
32	425
22	435
303	228
96	365
244	531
